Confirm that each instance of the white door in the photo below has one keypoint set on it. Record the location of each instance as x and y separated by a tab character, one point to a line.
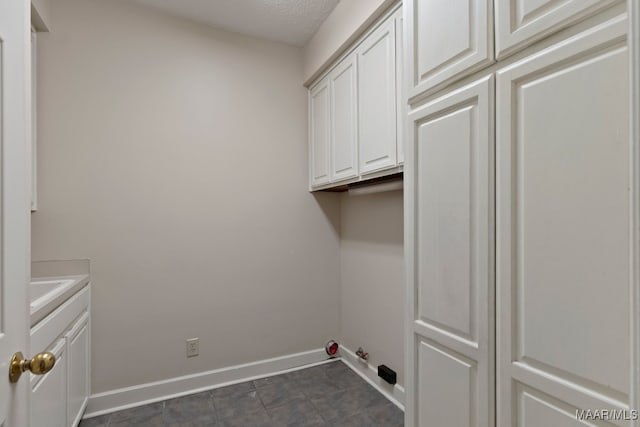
564	236
319	134
520	23
377	99
449	255
344	125
446	39
14	204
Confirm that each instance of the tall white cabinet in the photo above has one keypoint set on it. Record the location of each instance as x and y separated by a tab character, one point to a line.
564	230
451	329
518	215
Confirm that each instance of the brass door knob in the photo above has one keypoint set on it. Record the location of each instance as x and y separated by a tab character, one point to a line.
39	364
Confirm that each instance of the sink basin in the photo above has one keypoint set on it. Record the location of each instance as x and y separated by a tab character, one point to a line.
43	291
49	293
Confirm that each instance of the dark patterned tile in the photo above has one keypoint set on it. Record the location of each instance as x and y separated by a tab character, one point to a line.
314	371
194	423
195	408
349	402
255	419
336	368
269	381
317	386
141	414
344	379
388	415
298	413
100	421
234	390
357	420
327	394
146	421
232	406
279	394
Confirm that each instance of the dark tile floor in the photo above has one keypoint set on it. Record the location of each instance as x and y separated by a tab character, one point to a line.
324	395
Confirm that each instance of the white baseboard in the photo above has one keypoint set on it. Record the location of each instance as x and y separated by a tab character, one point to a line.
129	397
395	393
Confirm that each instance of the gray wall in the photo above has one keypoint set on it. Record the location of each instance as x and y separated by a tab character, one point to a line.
372	277
174	156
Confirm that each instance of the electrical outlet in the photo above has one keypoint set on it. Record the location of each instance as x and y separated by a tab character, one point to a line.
193	347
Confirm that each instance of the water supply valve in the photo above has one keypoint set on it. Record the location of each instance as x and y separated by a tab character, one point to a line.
332	348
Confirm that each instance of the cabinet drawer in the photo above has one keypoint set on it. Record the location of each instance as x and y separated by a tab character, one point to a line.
55	324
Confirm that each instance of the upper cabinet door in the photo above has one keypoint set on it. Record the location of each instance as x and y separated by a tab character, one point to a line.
344	141
377	99
319	134
520	23
401	112
446	39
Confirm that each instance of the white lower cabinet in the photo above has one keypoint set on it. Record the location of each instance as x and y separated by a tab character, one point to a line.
59	398
47	392
77	340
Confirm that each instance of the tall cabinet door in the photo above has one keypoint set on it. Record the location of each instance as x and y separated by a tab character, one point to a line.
344	129
564	239
377	99
449	249
446	39
319	134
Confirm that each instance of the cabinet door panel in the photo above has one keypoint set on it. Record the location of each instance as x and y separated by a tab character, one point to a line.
520	23
78	356
450	276
344	147
319	134
49	392
563	228
447	39
377	99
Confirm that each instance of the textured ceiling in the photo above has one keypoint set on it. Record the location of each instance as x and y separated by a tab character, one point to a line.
289	21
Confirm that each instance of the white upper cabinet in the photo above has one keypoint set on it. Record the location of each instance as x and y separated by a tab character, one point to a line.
344	125
522	22
447	39
319	134
377	99
357	108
